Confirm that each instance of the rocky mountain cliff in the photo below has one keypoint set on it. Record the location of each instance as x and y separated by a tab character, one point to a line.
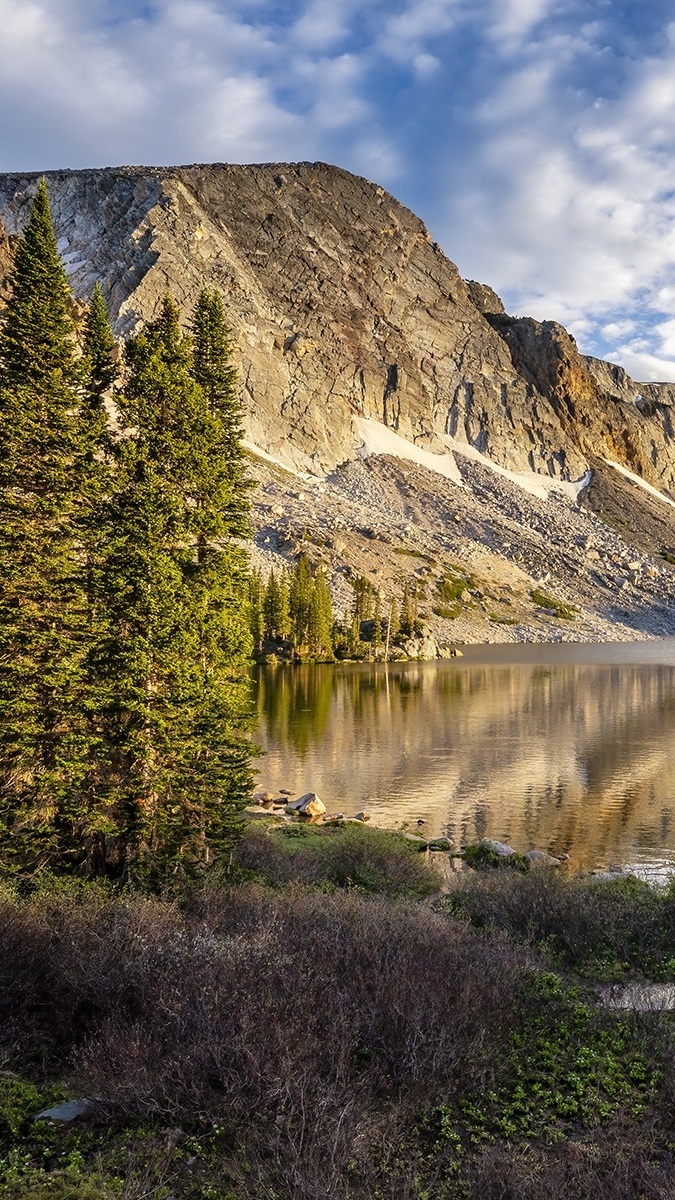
344	310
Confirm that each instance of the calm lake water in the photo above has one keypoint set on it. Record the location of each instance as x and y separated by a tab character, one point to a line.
564	748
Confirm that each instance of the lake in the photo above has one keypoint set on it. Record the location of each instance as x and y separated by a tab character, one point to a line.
566	748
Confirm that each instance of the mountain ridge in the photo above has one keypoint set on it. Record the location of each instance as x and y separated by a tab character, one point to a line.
344	308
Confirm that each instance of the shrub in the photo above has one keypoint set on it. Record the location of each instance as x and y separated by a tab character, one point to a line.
350	856
600	929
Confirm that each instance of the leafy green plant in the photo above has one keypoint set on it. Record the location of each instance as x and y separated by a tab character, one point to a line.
568	1066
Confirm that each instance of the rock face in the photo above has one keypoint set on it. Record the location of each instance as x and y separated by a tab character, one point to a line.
602	410
342	308
340	303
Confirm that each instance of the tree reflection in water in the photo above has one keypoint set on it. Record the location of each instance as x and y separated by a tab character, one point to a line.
567	756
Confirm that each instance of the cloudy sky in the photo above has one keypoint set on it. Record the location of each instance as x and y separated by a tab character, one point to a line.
536	138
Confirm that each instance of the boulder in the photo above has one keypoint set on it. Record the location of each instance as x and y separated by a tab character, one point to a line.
262	797
70	1110
497	847
309	805
539	858
415	840
362	816
424	647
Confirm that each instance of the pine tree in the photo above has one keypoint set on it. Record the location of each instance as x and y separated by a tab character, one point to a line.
214	372
407	613
320	620
300	600
394	621
43	611
354	636
376	638
363	598
38	337
99	366
284	613
256	613
170	668
275	608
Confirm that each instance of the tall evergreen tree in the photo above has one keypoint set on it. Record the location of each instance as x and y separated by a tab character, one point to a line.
376	637
43	611
172	684
38	337
99	365
214	372
407	612
256	610
394	620
300	600
284	612
275	607
320	618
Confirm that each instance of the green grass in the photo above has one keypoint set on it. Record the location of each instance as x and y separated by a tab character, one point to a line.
565	612
449	590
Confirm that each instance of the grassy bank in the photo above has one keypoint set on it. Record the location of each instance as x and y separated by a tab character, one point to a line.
310	1026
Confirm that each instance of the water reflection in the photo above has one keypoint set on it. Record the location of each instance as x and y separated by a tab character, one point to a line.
563	753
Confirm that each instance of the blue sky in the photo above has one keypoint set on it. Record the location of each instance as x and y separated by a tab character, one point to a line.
536	138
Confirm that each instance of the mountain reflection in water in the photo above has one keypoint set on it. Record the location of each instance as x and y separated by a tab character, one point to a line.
564	748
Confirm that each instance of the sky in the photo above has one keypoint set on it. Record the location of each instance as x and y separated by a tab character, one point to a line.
535	138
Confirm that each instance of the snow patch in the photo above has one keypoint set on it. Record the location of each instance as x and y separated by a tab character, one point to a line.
379	439
537	485
640	482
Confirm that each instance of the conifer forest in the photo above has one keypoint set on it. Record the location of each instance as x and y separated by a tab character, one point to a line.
123	577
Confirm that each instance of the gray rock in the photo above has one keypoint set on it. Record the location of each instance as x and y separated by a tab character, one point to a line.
263	797
497	847
539	858
309	805
442	843
639	997
415	840
71	1110
361	262
423	648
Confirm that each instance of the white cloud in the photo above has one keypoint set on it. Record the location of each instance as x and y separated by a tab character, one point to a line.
514	20
406	35
323	23
426	65
571	210
537	137
643	366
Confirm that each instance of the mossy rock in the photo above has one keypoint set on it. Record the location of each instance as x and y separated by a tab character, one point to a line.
483	858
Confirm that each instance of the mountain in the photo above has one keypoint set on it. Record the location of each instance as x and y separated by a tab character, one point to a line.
360	345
